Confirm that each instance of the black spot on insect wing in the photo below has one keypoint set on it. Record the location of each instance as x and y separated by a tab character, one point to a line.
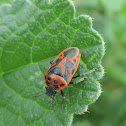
61	85
47	83
55	81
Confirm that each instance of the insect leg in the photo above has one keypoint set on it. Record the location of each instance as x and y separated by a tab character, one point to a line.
79	80
63	98
53	101
86	73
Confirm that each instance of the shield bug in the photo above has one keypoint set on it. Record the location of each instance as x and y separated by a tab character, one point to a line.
61	71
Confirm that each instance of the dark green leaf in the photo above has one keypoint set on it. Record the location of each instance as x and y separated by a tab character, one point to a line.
31	35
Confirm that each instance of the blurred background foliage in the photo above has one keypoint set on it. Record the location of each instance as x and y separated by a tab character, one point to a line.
110	20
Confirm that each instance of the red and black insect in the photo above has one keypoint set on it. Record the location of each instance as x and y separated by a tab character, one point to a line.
61	71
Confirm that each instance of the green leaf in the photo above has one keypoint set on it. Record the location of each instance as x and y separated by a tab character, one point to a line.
6	1
31	35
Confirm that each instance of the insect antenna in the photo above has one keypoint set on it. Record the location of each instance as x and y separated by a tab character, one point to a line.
38	95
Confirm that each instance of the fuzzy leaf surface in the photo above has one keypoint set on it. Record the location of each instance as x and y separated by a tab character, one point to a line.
31	35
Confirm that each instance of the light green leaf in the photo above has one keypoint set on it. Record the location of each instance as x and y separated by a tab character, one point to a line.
31	35
6	1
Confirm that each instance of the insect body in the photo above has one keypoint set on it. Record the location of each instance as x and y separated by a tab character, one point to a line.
61	71
63	68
